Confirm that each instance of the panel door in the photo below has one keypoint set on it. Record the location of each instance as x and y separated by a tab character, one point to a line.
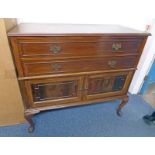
107	85
54	91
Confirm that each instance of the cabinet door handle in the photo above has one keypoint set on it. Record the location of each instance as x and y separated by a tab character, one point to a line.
116	46
112	63
56	66
55	49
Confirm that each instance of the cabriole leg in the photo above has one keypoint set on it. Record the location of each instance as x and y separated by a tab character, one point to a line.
122	104
28	117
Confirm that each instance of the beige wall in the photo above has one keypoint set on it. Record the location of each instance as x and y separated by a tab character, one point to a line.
11	107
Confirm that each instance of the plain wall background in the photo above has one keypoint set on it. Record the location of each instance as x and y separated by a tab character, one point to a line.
132	13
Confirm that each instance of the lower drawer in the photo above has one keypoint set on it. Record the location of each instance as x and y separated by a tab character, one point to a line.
78	65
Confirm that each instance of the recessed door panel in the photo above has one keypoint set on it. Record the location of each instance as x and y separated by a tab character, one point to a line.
54	91
105	85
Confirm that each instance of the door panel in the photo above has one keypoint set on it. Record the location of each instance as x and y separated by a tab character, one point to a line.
54	91
105	85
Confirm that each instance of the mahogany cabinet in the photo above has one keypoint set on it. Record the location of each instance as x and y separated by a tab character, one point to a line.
60	65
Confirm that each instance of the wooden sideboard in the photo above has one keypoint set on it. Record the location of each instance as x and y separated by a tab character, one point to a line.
62	65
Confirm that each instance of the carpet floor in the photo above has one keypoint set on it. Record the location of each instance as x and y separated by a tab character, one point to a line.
96	120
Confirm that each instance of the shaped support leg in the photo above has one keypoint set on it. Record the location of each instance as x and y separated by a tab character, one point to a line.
122	104
28	117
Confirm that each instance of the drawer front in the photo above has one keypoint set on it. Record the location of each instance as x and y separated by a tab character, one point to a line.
78	65
83	48
54	91
107	85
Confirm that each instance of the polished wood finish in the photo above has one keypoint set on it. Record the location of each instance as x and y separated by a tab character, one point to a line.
32	68
54	91
69	65
36	47
106	85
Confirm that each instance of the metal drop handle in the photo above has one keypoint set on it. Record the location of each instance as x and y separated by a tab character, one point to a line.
116	46
55	49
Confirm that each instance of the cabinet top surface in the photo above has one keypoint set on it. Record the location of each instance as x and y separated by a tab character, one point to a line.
72	30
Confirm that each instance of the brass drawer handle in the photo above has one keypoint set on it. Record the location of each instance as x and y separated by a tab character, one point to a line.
56	67
116	46
55	49
112	63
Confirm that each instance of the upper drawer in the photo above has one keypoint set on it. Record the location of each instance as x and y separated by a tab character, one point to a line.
84	47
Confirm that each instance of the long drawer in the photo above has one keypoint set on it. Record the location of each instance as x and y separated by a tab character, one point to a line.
86	47
31	68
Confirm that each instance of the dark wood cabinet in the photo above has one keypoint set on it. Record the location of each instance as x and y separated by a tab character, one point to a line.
69	65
